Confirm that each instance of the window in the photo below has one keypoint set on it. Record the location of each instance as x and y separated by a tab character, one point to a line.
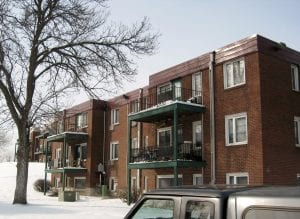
177	90
257	212
236	129
164	181
115	116
197	179
237	178
295	77
297	130
199	210
56	182
234	73
114	150
113	184
134	106
197	84
146	183
164	93
80	151
81	120
197	133
164	137
79	182
298	179
155	208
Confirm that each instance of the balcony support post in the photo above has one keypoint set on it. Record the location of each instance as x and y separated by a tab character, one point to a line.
129	197
46	161
64	163
175	144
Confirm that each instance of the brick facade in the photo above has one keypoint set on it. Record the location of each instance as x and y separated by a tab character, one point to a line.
269	155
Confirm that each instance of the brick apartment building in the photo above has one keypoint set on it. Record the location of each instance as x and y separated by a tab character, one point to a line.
230	116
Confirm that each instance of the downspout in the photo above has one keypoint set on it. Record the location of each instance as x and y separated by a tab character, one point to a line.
212	116
104	144
140	137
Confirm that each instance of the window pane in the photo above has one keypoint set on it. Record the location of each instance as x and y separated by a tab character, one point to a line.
116	150
297	140
230	131
155	208
240	124
242	180
229	75
231	180
164	138
199	210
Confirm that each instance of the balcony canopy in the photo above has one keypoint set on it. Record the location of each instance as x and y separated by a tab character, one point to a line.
165	110
78	137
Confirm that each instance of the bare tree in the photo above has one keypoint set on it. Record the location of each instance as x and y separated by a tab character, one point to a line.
49	48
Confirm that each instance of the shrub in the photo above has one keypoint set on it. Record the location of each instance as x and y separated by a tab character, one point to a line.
38	185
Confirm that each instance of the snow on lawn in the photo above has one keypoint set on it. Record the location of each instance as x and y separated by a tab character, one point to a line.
40	206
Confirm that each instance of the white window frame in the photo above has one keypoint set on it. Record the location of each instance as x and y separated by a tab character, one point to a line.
226	74
236	175
163	130
113	150
295	77
195	88
297	130
234	117
165	177
115	116
195	176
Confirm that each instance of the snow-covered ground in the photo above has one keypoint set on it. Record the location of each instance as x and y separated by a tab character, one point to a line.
40	206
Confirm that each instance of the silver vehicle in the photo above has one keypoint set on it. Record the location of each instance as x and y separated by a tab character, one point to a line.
219	202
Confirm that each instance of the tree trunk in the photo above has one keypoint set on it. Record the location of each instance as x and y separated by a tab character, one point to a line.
22	166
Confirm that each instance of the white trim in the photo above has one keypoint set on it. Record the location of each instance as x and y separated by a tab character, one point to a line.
225	76
234	117
236	175
195	179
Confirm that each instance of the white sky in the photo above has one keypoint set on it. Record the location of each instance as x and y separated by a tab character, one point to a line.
190	28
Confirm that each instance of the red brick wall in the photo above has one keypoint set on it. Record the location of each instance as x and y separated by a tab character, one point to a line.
279	106
244	98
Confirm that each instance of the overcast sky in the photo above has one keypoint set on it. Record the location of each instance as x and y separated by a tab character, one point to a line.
190	28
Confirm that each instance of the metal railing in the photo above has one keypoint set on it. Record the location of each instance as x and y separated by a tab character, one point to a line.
171	94
185	151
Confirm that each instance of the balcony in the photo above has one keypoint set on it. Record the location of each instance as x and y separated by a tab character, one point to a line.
166	97
189	152
162	105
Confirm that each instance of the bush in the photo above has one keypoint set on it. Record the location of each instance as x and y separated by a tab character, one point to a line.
135	195
38	185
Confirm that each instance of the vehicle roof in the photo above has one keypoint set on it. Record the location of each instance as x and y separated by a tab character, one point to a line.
223	191
272	191
212	191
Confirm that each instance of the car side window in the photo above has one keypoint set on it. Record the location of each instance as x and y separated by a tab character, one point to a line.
271	212
155	208
199	210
